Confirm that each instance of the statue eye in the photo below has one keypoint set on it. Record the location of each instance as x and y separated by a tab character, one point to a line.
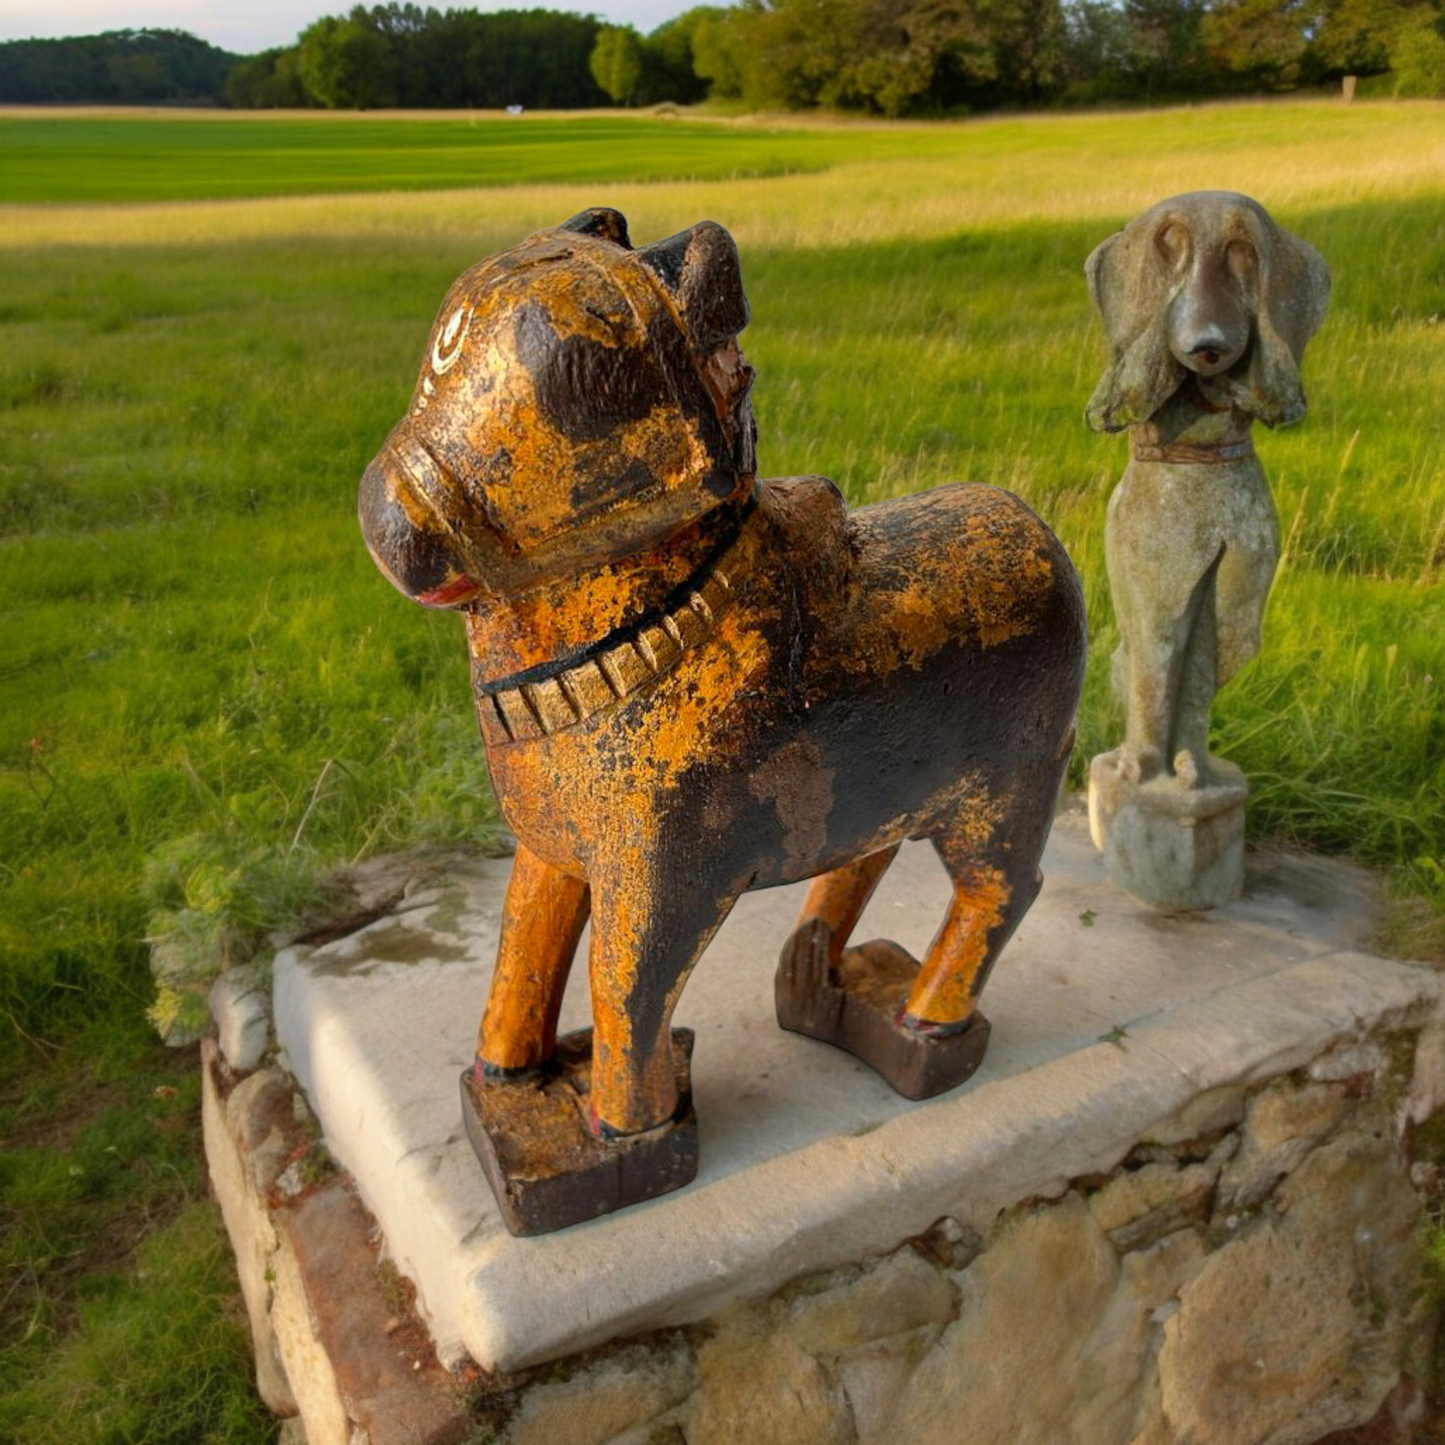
1172	242
1241	258
448	345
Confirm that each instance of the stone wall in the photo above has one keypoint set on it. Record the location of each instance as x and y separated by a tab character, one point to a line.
1254	1275
1251	1274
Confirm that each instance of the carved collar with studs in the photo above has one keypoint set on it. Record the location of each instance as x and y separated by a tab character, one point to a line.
550	699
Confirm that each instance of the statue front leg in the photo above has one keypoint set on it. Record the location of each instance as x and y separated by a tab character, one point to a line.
542	919
646	937
609	1120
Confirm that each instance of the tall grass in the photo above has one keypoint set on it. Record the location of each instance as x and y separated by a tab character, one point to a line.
207	690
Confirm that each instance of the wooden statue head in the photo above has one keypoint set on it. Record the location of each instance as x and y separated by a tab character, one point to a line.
579	402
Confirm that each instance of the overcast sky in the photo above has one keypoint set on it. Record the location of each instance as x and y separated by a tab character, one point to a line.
246	26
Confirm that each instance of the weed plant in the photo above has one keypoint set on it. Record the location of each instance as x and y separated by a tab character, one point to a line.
207	693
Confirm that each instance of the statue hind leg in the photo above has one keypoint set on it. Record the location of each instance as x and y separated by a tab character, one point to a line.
919	1025
806	991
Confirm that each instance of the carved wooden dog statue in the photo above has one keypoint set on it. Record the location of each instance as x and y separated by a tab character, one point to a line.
692	683
1208	306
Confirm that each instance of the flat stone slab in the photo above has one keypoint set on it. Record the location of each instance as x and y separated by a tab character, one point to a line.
1108	1022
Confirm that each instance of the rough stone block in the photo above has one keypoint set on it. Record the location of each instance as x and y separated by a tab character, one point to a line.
1298	1326
365	1379
309	1367
876	1377
1201	1115
1143	1204
240	1003
604	1401
1285	1114
1039	1293
1426	1094
1283	1124
1349	1059
240	1177
898	1295
308	1271
766	1391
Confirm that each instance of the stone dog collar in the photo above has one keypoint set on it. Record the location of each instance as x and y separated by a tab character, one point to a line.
1193	453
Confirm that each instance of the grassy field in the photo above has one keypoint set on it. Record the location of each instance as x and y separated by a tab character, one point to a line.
146	157
207	692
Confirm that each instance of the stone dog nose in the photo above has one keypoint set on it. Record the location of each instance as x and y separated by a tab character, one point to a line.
1210	325
1209	339
1208	352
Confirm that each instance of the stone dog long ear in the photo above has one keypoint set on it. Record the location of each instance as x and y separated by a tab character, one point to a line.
700	267
1130	287
1293	292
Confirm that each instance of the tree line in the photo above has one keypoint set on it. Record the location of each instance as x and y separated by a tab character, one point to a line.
121	67
884	57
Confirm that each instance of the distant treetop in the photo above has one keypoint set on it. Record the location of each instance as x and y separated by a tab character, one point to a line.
883	57
120	67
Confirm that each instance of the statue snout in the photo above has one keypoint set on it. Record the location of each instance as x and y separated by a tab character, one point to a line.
404	532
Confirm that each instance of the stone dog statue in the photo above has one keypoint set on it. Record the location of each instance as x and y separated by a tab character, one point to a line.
1208	306
692	683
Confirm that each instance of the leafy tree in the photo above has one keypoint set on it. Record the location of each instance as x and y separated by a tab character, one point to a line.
1417	54
1095	52
1352	37
518	57
269	80
119	67
668	67
1026	40
1262	40
616	63
855	54
348	64
1166	58
717	57
402	55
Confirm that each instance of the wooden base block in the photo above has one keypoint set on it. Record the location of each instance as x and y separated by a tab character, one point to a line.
857	1005
546	1168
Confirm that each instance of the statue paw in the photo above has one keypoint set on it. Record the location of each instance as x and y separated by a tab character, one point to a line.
1139	765
1186	768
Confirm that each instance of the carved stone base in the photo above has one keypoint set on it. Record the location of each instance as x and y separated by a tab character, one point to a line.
857	1006
545	1166
1174	847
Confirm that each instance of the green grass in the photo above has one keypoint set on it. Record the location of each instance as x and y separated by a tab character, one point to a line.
124	158
207	692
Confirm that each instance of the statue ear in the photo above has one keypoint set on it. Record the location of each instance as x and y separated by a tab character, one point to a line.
603	222
1096	272
1296	291
1129	287
1293	291
700	268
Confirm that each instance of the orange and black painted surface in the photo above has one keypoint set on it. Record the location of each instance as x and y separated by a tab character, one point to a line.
692	683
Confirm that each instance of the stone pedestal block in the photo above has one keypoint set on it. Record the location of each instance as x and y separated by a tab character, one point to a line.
1172	846
1189	1178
